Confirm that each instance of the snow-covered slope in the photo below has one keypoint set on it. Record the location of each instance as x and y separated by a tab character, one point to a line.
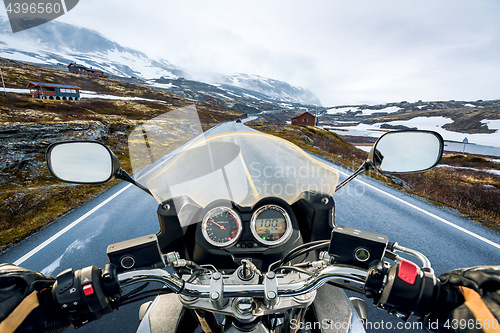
58	43
275	89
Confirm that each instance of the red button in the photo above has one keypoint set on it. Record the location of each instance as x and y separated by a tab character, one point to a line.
407	271
88	289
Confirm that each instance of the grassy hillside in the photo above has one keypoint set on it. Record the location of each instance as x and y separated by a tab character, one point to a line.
29	197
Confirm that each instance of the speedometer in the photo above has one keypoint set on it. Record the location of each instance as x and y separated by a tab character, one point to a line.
271	225
221	227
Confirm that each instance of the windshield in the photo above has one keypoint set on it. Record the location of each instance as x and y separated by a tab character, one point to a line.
172	157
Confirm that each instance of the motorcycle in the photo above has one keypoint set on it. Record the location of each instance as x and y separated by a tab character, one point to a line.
248	240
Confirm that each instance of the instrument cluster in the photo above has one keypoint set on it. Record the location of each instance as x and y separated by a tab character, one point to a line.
266	225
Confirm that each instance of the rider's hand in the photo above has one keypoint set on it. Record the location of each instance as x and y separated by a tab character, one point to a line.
26	303
480	287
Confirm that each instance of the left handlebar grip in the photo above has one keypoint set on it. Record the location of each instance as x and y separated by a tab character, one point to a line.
86	295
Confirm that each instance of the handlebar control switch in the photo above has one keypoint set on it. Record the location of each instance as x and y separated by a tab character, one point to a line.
81	295
217	291
110	282
271	290
375	279
410	290
356	247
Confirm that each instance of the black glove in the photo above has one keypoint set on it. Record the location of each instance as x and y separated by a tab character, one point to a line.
480	287
26	303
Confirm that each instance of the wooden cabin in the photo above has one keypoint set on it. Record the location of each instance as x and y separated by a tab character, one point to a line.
53	91
212	101
305	119
80	69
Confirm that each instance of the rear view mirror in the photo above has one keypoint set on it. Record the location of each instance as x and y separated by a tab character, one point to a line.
83	162
406	151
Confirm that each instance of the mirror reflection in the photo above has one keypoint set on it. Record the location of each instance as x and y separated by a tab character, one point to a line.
409	151
81	162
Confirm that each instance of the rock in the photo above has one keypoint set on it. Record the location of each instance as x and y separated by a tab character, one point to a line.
400	182
24	144
397	127
307	139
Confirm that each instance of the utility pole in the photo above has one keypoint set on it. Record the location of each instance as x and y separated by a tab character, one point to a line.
3	83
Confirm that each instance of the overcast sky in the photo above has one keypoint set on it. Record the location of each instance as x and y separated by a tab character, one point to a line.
345	52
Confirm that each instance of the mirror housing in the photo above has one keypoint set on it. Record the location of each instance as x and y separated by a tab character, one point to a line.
82	162
406	152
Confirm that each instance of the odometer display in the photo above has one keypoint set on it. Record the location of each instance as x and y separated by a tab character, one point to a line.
221	227
271	225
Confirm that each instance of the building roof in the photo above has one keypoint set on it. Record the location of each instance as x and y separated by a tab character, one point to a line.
86	68
52	85
300	115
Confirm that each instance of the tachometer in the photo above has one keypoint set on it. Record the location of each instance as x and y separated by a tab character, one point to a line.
221	227
271	225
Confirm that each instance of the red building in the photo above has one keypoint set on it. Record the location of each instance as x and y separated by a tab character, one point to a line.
212	101
305	119
79	69
62	92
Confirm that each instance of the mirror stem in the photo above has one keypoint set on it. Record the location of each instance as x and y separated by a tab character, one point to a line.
123	175
366	166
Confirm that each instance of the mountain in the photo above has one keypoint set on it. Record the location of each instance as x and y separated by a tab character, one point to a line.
60	43
275	89
56	43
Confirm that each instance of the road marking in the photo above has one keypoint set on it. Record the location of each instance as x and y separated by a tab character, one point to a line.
430	214
57	235
250	180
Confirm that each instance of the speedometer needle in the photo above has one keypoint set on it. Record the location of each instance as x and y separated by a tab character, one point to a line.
217	224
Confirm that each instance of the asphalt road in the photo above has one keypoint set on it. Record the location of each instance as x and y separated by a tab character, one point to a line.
80	238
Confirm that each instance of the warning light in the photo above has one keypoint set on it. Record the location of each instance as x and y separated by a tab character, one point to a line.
229	238
264	237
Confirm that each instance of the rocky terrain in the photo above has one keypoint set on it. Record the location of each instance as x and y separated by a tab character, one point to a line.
29	197
466	114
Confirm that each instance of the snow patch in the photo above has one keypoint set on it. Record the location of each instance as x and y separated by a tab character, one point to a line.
161	85
93	94
492	124
389	109
364	148
432	124
17	91
343	110
494	172
224	96
364	112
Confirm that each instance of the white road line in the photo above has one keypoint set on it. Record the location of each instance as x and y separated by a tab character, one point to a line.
430	214
53	238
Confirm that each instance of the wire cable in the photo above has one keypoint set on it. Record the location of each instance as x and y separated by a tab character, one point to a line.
146	294
301	248
331	282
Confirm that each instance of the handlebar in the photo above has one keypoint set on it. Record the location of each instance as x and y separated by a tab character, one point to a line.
87	294
179	286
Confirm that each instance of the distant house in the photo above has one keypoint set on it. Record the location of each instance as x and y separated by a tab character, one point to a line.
305	119
80	69
212	101
54	91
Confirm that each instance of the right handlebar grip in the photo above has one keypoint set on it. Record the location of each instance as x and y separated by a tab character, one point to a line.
411	290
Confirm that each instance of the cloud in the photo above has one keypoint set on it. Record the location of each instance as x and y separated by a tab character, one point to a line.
344	52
